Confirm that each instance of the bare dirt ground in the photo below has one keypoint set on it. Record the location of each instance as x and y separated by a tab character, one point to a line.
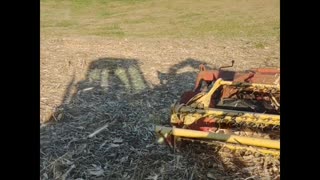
130	84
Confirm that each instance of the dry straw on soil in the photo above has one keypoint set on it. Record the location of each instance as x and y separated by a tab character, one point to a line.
117	93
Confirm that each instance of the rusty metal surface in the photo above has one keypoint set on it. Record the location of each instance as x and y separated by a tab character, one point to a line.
257	75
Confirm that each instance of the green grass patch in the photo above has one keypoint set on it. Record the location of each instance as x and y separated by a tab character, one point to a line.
250	19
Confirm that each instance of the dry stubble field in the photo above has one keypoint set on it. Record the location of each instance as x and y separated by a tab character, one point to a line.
123	63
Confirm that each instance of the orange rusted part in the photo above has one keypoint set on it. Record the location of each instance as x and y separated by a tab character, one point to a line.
258	75
263	78
243	77
208	129
206	76
206	124
267	70
229	92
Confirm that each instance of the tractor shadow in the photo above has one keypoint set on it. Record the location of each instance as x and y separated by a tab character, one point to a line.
115	92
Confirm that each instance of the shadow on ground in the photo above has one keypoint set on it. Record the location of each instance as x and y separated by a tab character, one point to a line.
115	93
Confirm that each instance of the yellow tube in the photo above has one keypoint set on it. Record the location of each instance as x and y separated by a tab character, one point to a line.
273	144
